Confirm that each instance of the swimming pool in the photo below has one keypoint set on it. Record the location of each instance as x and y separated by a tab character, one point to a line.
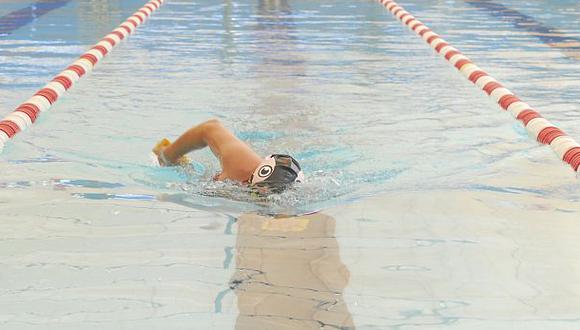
437	208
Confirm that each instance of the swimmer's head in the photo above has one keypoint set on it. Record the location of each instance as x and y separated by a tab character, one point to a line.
276	173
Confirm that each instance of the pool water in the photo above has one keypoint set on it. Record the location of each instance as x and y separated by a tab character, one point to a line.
435	205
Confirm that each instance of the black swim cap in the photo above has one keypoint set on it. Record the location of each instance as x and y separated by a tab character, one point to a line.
277	172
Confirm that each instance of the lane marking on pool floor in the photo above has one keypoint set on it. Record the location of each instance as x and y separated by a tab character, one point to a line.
540	128
27	113
22	17
566	43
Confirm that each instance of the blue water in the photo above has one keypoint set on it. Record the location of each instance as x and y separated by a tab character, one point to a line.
362	103
371	113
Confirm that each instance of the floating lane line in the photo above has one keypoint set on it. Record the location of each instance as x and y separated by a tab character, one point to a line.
27	113
540	128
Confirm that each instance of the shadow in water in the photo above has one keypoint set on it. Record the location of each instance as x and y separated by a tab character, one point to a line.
289	274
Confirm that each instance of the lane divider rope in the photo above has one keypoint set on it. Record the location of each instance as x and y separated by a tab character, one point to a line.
27	113
537	126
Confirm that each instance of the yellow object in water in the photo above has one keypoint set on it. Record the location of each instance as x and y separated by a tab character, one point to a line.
158	151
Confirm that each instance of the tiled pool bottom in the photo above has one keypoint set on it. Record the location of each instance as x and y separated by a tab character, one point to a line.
433	259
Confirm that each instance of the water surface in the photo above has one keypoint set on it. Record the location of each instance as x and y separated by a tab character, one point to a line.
444	207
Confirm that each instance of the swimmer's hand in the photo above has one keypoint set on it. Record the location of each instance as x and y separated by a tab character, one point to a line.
158	151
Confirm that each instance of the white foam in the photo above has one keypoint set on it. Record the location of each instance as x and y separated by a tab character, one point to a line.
154	159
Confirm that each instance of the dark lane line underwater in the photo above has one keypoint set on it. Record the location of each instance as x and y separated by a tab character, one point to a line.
552	37
22	17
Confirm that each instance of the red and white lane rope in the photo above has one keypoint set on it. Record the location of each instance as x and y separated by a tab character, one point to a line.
545	132
26	113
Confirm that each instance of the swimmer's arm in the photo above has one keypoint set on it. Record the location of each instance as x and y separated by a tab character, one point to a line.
193	139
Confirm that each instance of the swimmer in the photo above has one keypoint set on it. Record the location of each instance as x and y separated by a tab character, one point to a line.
238	161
